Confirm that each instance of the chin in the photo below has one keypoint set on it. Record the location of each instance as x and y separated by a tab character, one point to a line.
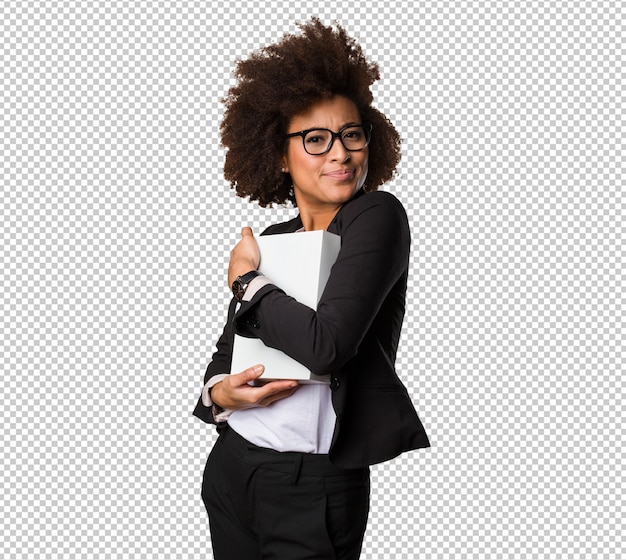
344	194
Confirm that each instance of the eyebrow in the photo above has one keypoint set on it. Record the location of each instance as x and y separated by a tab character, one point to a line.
351	123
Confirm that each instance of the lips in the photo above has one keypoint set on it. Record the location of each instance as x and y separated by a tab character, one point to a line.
341	174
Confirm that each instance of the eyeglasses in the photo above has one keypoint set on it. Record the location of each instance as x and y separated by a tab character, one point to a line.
318	141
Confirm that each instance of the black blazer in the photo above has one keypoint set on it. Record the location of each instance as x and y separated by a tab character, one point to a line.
353	336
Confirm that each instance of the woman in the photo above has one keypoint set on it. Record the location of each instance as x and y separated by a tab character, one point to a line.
288	477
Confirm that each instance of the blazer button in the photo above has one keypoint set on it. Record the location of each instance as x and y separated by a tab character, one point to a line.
335	382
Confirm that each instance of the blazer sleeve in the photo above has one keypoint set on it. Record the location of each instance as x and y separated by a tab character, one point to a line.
222	357
375	241
220	363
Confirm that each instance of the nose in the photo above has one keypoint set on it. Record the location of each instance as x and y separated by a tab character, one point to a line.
338	151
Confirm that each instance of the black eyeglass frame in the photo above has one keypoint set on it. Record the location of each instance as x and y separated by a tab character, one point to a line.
367	127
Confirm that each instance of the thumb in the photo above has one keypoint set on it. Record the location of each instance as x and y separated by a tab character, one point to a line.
251	373
246	231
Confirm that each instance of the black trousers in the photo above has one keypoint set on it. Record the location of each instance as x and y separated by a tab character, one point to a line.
267	505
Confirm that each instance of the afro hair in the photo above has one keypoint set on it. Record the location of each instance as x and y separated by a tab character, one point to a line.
280	81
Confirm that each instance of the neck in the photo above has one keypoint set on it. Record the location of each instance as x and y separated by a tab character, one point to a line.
319	219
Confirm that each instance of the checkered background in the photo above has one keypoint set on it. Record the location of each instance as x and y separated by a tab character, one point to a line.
116	225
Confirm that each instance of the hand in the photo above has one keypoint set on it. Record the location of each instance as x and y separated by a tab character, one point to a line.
244	257
234	393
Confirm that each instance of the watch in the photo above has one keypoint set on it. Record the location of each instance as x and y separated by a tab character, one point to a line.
241	284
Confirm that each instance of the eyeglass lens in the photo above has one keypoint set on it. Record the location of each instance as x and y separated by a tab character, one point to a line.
319	141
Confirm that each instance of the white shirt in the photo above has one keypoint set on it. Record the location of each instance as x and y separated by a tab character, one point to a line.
302	422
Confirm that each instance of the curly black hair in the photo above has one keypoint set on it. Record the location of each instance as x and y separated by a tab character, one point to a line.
284	79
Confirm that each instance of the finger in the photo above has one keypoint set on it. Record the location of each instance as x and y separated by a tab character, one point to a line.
275	391
246	231
276	386
249	374
277	396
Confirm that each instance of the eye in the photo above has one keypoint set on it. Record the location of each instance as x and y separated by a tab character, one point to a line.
353	134
317	137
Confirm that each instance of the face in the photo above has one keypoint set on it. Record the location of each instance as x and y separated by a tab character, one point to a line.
325	182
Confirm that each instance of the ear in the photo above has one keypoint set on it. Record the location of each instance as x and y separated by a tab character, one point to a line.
285	167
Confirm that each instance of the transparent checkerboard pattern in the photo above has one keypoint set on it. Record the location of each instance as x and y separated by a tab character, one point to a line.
116	225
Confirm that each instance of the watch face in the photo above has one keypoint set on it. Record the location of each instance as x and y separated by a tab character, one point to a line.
238	290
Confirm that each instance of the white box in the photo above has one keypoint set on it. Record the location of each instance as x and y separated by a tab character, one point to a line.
299	264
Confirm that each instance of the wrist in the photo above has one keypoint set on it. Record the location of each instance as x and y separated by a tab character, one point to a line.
213	392
241	283
239	267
